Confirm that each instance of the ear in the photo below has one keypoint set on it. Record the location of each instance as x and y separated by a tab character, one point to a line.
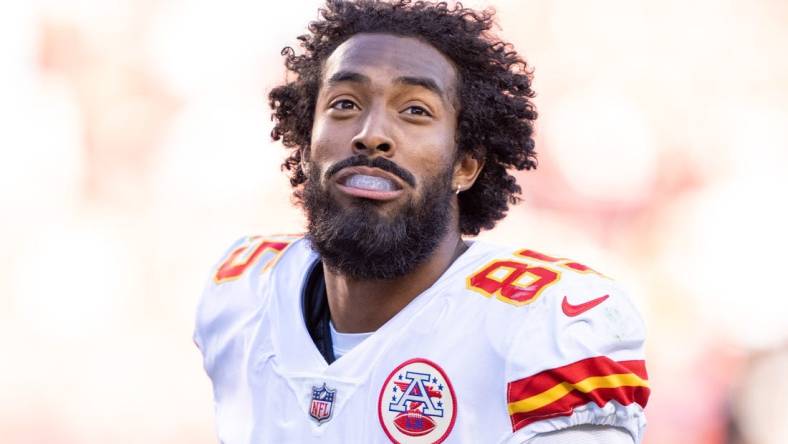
466	170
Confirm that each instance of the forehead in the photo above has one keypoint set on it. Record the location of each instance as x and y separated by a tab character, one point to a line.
391	56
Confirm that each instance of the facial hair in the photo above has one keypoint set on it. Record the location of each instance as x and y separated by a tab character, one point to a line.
359	242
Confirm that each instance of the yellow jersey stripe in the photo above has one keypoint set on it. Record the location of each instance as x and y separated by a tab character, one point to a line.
586	385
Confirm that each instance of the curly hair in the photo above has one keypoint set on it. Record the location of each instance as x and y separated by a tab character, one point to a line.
495	118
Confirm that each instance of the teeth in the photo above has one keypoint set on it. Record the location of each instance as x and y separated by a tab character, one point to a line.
369	183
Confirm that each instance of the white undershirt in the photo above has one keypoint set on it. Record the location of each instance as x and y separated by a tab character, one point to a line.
344	342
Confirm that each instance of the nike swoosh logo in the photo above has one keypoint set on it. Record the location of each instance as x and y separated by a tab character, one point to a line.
574	310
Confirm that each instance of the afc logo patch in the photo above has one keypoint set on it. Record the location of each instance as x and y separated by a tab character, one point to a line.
417	403
322	403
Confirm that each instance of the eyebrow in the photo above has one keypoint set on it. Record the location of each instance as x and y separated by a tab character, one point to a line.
348	76
424	82
354	77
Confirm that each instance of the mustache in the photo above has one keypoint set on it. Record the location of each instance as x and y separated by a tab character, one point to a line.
375	162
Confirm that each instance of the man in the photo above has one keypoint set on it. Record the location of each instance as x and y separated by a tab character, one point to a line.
383	324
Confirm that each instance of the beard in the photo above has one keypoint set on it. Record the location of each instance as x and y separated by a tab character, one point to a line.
359	242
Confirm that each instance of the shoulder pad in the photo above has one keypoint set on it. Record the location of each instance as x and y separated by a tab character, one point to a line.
249	252
520	277
223	308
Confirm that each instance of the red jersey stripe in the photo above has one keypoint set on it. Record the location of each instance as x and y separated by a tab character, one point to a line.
566	405
572	373
557	392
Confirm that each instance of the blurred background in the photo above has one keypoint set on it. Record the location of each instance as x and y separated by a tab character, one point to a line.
135	148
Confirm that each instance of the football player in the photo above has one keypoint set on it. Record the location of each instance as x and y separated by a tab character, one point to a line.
383	324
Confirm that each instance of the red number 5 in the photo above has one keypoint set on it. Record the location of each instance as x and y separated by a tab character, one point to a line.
566	263
246	255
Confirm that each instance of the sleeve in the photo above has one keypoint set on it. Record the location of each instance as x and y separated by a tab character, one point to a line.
578	360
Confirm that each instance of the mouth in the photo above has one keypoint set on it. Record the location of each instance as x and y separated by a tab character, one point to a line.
369	183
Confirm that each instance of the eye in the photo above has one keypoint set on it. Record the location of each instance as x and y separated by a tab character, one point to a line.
415	110
344	105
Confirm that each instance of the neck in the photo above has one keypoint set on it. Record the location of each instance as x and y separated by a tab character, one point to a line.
359	306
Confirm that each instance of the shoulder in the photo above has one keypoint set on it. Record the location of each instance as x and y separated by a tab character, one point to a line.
236	287
535	299
572	341
522	276
251	252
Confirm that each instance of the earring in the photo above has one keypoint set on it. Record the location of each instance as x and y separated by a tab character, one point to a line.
458	190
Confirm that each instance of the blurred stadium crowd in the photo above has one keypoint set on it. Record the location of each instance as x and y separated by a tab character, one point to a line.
135	149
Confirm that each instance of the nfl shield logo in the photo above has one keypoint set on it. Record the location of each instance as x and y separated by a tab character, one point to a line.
322	403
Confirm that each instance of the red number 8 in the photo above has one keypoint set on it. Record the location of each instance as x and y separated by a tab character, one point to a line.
513	282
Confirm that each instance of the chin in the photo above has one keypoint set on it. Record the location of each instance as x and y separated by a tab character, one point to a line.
369	239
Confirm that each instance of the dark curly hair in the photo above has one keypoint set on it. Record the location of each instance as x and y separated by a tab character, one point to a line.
495	119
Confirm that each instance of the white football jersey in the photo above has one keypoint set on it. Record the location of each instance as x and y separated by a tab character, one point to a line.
507	344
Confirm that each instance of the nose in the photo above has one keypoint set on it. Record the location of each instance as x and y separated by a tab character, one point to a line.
373	138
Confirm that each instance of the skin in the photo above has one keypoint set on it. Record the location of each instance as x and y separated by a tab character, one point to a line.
385	95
